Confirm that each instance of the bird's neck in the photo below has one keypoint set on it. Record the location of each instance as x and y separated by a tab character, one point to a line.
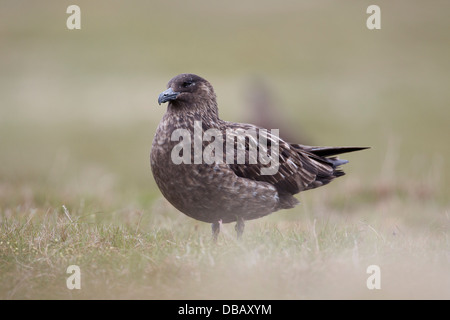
208	113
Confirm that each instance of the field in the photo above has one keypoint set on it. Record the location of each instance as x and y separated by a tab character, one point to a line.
78	110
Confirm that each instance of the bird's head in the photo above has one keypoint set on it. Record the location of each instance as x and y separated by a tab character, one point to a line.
188	89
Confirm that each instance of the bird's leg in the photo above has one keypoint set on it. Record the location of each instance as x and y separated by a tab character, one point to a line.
215	226
239	227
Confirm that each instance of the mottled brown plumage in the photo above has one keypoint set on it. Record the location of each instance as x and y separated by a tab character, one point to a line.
221	192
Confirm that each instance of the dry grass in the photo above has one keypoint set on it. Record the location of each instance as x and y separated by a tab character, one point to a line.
322	252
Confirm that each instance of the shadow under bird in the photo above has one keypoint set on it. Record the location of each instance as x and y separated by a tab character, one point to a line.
230	191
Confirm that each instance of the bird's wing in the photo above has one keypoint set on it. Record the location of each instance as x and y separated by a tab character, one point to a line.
297	169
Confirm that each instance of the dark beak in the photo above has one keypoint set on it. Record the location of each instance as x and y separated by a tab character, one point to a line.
167	95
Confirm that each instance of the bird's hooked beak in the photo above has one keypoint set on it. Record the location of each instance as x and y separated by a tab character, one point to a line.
167	95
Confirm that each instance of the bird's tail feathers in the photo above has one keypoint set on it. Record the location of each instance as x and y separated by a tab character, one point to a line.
330	151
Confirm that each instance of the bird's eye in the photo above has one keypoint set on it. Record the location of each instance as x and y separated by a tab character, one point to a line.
188	84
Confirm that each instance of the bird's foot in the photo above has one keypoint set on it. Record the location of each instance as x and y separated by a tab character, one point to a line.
240	225
215	226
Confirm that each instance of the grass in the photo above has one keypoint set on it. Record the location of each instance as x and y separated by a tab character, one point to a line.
321	253
78	112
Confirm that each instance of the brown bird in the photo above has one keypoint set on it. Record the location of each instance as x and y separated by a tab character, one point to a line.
261	109
254	175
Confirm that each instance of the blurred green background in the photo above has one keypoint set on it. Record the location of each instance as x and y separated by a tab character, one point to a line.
77	100
78	108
